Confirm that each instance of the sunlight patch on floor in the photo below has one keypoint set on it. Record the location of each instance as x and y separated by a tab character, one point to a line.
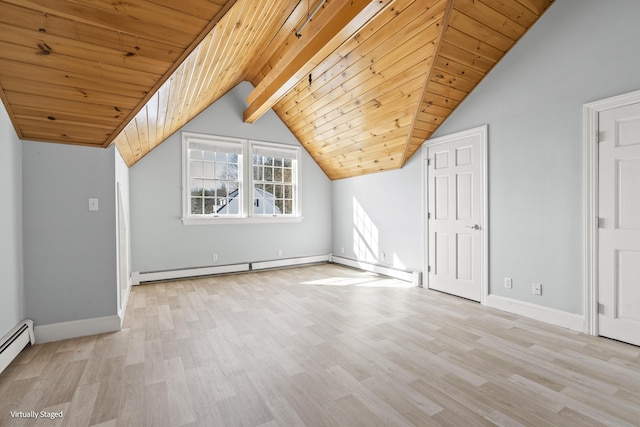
370	280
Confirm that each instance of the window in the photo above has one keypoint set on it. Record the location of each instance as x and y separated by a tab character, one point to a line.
229	179
274	180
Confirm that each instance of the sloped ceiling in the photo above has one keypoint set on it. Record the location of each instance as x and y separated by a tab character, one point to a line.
362	84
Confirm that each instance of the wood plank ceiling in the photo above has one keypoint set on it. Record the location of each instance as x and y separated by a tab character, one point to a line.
362	87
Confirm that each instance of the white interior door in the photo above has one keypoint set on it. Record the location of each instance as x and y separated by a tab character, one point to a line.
456	220
619	224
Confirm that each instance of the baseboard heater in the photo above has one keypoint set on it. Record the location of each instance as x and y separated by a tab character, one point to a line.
412	276
13	342
153	276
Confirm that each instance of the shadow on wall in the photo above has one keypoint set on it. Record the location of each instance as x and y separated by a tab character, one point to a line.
366	238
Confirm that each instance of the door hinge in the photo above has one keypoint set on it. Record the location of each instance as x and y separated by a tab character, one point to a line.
428	269
428	215
428	162
600	308
599	222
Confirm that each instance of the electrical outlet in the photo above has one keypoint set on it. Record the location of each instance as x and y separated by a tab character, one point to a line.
537	288
508	282
214	257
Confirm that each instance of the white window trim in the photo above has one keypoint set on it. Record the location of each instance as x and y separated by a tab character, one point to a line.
246	215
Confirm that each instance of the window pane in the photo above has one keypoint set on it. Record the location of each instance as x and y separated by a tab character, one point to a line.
258	173
287	163
195	167
277	176
268	174
196	187
232	171
288	207
209	155
195	154
196	205
279	192
209	206
288	192
209	187
208	170
287	175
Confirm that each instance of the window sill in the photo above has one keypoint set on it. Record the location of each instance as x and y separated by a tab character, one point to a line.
247	220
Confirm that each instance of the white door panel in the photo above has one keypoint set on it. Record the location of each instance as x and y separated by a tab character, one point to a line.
456	223
619	232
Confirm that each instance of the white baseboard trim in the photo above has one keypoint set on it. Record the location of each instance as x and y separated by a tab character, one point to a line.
412	276
76	328
289	262
574	322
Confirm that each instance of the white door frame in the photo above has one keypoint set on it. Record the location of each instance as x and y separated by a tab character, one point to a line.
481	131
591	131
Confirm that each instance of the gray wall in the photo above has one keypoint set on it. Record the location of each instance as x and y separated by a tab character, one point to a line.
11	289
579	51
389	204
159	239
69	252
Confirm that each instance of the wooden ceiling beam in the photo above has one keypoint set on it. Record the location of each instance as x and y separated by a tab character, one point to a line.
331	27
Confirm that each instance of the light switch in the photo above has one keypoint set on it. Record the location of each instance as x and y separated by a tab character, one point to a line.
93	205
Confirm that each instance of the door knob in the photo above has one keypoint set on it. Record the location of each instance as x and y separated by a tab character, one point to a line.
474	226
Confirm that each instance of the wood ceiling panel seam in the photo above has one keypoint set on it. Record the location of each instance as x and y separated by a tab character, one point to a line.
335	65
40	74
143	10
538	7
40	43
34	21
169	72
25	55
133	140
480	31
472	45
367	76
490	17
466	58
88	123
142	126
257	68
513	10
446	18
457	69
377	127
221	36
198	8
356	122
324	40
152	122
450	79
336	117
80	117
142	26
24	99
380	159
340	153
310	114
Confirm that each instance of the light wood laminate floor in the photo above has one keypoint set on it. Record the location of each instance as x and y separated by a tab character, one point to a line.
322	346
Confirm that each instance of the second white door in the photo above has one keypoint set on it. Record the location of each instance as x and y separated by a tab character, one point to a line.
455	214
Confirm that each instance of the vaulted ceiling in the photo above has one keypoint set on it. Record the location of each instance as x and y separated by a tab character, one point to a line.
361	84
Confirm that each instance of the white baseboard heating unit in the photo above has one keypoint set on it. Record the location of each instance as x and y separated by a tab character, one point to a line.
13	343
